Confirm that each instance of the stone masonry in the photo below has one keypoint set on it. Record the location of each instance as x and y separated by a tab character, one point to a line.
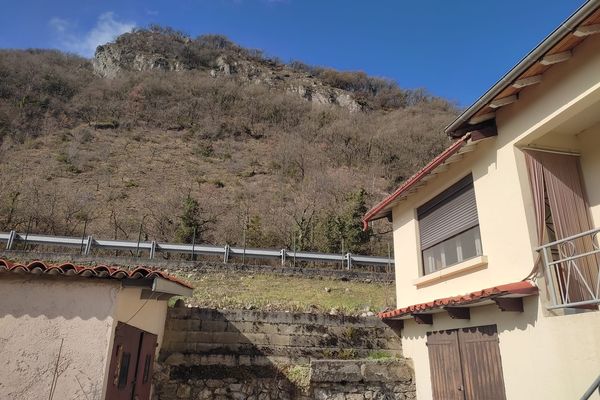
255	355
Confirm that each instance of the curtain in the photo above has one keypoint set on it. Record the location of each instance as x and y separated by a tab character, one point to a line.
558	177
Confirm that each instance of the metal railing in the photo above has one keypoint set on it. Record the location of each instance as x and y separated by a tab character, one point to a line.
571	267
88	243
595	386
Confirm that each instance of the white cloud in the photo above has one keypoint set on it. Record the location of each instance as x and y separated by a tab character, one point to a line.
107	28
59	24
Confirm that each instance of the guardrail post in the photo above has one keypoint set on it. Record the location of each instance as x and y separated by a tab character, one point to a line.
283	253
348	261
88	245
226	254
152	249
11	240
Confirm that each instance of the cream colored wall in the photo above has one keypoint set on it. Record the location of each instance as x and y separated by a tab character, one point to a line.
542	358
35	315
543	355
503	225
148	315
501	185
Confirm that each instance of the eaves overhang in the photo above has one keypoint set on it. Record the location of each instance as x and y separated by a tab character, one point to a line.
555	48
499	295
411	185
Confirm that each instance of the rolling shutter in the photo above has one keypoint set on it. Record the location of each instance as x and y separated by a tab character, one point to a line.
448	214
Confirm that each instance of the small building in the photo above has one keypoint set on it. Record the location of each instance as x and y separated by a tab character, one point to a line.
81	332
496	240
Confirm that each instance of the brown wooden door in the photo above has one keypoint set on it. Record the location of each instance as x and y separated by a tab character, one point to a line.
143	380
444	363
481	363
465	364
130	370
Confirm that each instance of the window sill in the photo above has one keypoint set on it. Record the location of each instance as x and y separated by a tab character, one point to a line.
469	265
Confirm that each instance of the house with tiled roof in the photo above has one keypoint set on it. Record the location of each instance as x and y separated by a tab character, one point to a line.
496	240
81	332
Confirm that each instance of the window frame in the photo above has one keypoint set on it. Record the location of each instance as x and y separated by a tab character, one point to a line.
452	193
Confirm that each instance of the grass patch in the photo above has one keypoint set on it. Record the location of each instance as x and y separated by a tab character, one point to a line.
299	375
283	293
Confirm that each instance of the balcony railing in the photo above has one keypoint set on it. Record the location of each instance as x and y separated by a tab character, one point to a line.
571	267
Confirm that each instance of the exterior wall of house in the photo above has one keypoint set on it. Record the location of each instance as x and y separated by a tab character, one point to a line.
36	315
543	357
501	184
560	353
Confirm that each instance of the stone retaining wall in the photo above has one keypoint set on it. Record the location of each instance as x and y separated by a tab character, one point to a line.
210	354
231	338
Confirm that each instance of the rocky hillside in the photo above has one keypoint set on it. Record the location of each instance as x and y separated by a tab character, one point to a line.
171	135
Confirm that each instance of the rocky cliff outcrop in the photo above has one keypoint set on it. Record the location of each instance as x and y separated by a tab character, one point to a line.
113	58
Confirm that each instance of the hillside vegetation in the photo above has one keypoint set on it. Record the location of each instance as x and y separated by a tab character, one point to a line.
173	135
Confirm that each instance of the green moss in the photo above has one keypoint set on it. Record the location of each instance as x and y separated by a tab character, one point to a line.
380	355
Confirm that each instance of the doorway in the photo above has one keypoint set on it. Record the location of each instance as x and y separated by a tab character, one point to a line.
465	364
130	370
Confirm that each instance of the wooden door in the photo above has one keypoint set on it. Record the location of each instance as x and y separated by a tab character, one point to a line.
445	365
143	380
130	369
465	364
481	363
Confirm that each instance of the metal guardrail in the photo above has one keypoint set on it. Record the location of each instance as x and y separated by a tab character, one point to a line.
88	243
572	269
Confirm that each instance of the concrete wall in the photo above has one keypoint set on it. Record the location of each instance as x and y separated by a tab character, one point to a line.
559	352
210	354
35	316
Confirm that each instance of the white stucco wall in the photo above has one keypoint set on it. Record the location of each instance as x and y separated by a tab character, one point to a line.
544	355
35	315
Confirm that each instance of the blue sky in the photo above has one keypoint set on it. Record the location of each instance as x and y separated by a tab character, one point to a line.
456	49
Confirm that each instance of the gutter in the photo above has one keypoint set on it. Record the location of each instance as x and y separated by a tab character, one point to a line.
534	55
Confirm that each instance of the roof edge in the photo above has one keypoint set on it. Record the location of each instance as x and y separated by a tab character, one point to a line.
551	40
413	180
521	289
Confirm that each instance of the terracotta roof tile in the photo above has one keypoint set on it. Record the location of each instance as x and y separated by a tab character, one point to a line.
524	288
92	272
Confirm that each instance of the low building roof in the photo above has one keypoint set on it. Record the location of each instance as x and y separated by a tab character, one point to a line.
138	276
480	297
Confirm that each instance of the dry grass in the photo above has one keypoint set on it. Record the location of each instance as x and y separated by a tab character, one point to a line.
272	292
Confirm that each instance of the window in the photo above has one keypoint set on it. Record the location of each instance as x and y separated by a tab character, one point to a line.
449	227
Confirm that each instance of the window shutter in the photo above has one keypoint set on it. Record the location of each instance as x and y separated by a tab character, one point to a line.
448	214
